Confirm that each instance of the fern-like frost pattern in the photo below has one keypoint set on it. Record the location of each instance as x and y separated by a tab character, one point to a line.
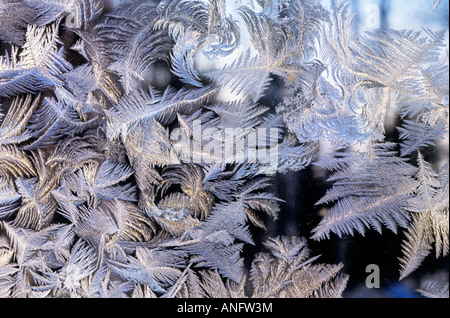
115	183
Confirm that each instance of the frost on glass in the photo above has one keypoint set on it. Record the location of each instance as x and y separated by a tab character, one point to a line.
141	143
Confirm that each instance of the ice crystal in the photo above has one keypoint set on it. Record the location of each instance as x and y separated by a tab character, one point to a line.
114	184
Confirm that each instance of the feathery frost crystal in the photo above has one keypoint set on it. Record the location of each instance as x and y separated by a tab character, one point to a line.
139	145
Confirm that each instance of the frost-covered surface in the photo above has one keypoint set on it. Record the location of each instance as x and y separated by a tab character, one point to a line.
141	142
